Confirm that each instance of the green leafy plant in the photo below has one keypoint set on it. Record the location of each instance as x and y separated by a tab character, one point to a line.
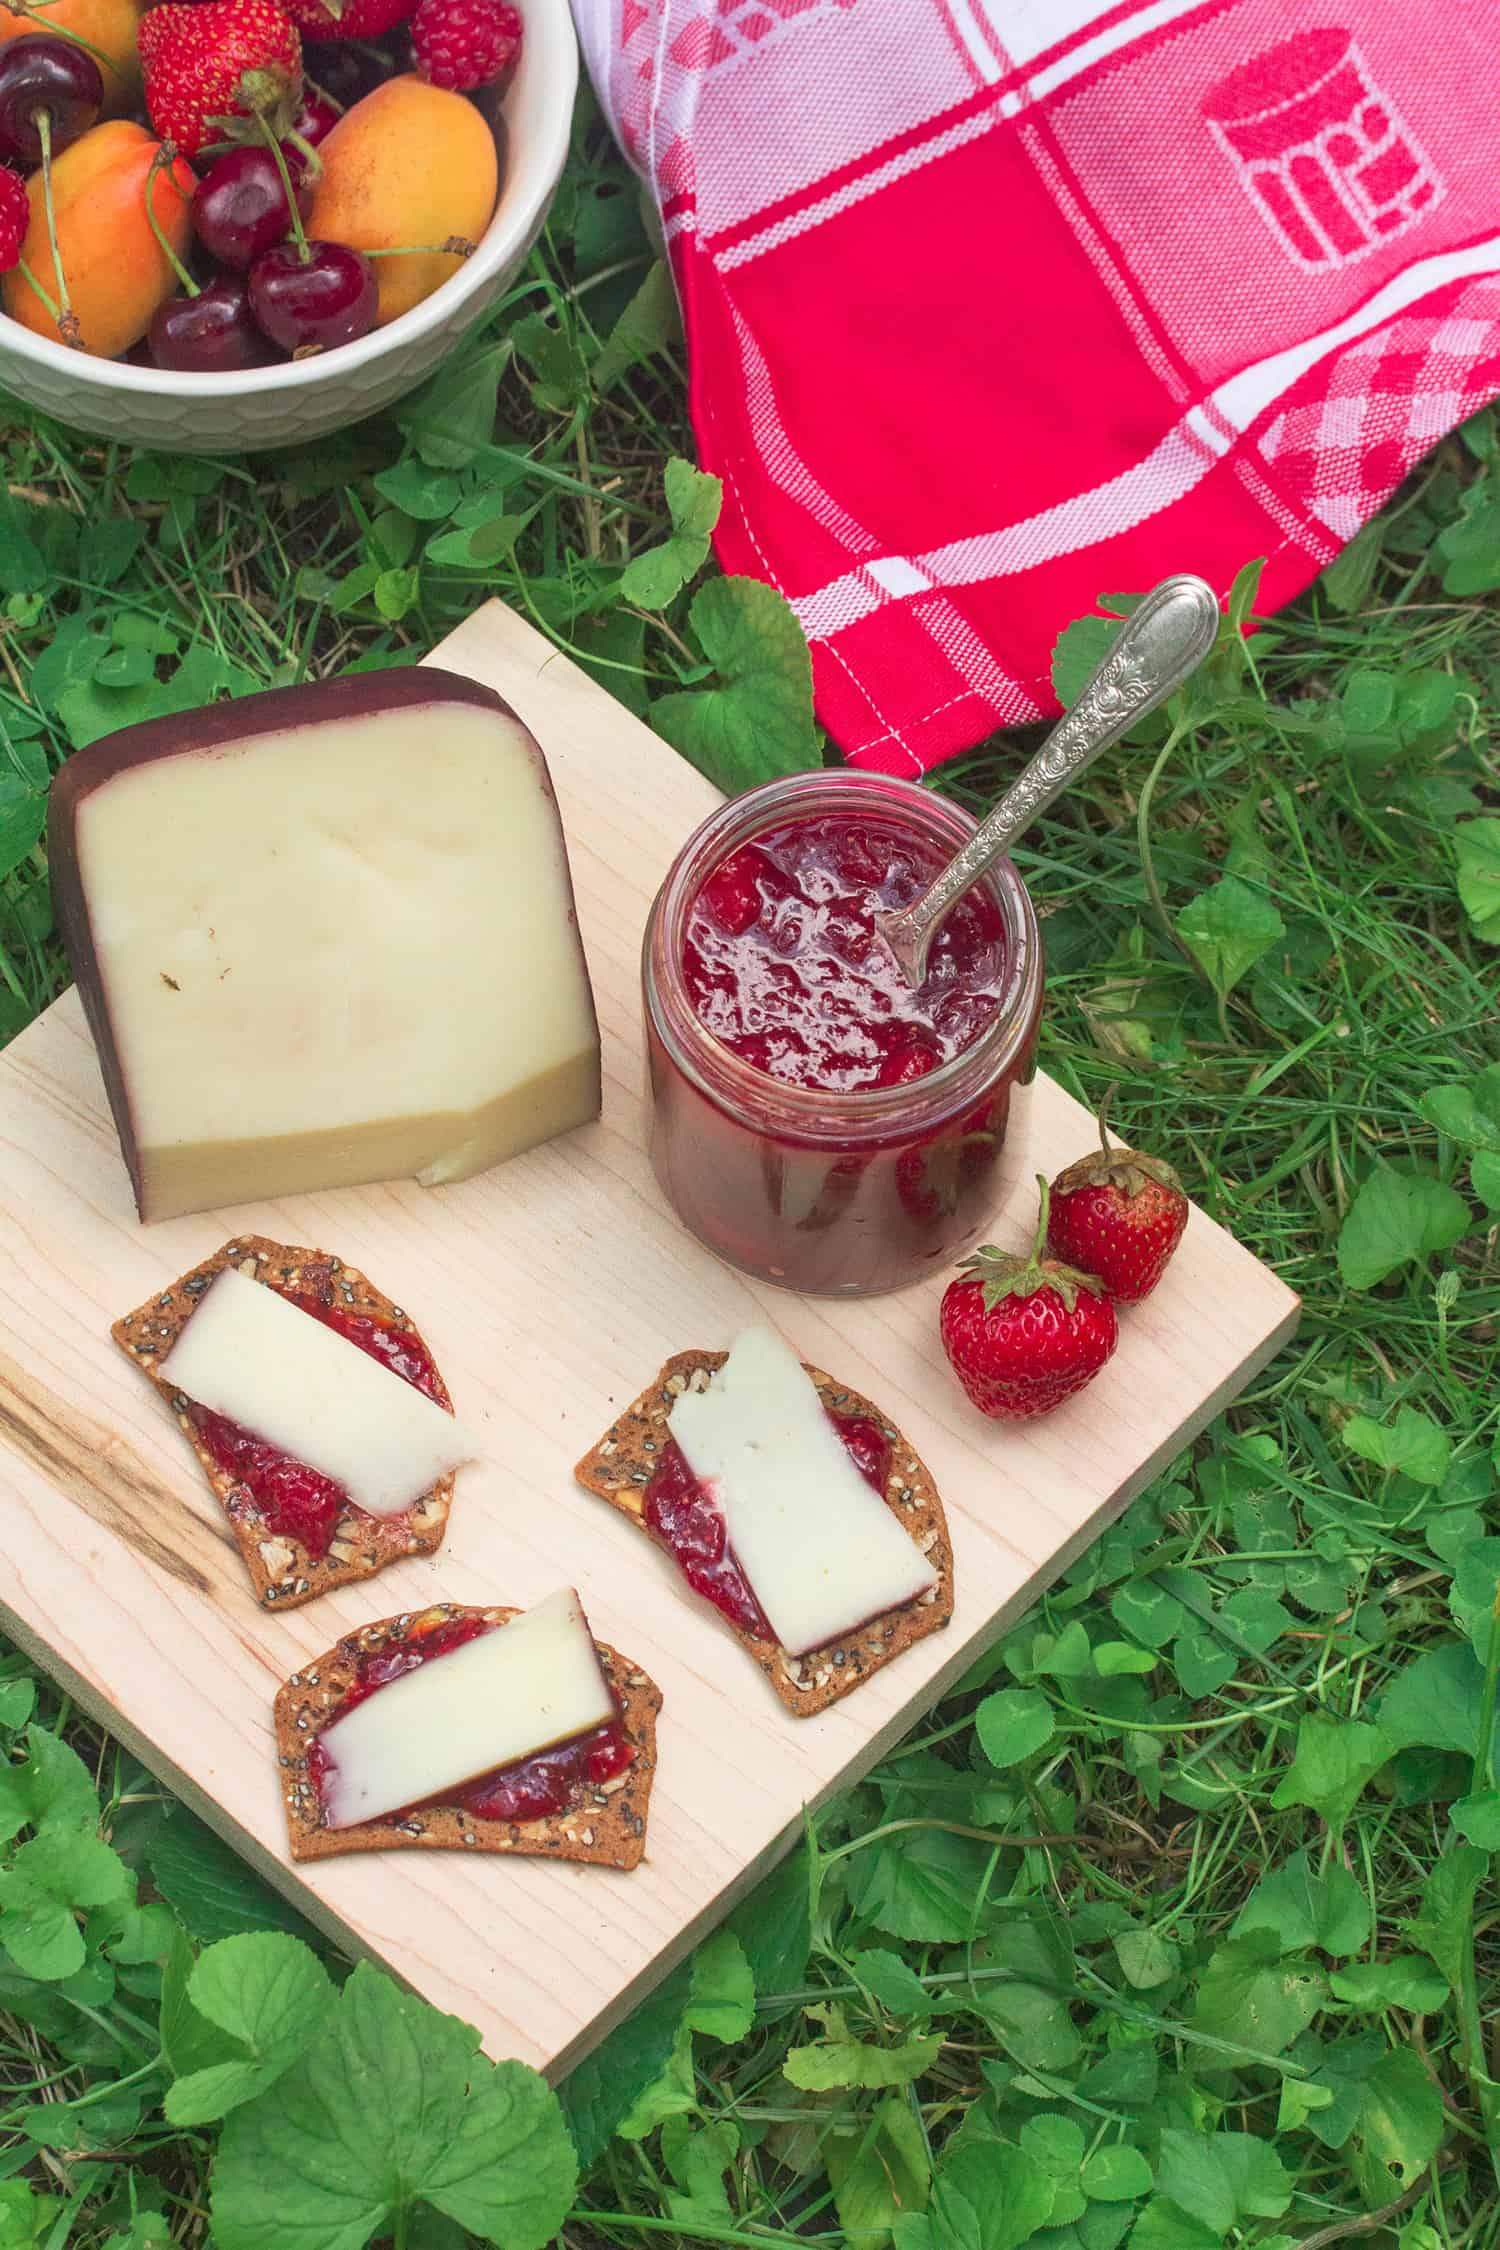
1173	1925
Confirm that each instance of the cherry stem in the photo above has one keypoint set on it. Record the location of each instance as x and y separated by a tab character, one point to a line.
45	294
456	246
166	156
299	232
60	31
67	319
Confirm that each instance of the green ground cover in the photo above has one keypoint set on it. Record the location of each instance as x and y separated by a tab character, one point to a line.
1175	1925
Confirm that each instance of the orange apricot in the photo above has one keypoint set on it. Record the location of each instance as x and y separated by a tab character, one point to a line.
116	271
410	164
108	25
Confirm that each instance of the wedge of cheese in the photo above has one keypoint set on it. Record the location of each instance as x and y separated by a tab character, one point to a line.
308	1391
322	936
524	1687
820	1548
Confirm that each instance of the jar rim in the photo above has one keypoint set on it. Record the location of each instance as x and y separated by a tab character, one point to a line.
810	1112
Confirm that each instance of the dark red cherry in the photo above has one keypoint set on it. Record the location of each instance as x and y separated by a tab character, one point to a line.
313	303
210	334
315	118
41	73
348	69
240	207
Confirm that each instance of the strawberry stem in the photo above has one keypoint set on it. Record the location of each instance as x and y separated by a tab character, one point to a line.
278	153
312	163
162	161
1104	1107
1039	1246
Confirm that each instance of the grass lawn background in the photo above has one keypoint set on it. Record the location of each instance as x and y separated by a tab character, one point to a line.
1175	1924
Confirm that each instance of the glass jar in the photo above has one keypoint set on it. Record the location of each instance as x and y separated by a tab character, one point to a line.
836	1194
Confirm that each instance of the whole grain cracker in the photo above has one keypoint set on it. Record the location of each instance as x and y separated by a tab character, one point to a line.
622	1464
283	1574
605	1827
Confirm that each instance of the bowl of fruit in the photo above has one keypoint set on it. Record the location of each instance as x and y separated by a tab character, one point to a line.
237	223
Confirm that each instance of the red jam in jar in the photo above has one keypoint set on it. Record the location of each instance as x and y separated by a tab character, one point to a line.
784	967
530	1789
816	1121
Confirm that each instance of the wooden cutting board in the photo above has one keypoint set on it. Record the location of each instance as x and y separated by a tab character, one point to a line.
550	1291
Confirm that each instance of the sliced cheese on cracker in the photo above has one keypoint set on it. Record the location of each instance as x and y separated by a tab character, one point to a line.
820	1549
248	1354
523	1688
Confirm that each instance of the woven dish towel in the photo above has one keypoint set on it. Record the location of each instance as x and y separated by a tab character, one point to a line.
994	305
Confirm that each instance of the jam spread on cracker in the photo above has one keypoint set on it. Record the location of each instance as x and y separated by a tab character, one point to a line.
533	1788
296	1501
689	1523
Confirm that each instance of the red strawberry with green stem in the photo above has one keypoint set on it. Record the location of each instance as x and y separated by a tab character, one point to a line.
218	60
1119	1216
1023	1334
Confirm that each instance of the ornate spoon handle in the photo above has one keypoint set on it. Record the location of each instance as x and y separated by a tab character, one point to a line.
1160	645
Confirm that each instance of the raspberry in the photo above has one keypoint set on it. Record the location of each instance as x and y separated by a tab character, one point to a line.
15	217
462	44
347	19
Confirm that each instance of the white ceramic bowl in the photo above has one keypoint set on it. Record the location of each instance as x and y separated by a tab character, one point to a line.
308	398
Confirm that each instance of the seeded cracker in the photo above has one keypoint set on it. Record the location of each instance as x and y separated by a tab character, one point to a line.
605	1827
622	1464
282	1572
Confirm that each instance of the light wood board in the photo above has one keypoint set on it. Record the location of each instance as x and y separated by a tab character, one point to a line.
550	1290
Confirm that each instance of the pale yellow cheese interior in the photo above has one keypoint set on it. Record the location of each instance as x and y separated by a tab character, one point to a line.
305	1389
821	1549
338	953
521	1688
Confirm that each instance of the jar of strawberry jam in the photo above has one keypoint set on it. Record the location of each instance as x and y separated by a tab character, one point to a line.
814	1121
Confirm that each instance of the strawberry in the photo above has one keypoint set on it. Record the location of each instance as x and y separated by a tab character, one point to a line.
1023	1334
462	44
347	19
15	218
1119	1216
215	60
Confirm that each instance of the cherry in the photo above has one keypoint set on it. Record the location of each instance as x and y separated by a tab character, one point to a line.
210	334
906	1054
348	69
315	118
52	76
241	209
314	302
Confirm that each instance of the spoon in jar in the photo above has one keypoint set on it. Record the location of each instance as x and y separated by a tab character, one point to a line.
1160	645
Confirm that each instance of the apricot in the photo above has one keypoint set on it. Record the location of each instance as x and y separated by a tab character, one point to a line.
410	164
109	25
115	268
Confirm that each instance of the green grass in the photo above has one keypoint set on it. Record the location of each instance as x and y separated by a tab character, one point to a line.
1113	1913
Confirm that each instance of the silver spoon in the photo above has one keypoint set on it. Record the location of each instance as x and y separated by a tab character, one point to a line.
1161	644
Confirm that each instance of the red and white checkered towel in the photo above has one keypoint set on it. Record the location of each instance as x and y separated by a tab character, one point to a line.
993	305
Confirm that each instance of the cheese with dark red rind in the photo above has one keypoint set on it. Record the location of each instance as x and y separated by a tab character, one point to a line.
324	936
